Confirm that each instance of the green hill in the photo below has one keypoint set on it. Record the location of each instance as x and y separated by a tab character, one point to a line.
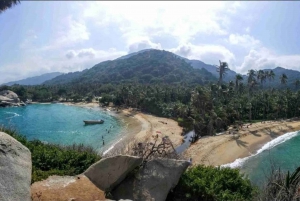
152	66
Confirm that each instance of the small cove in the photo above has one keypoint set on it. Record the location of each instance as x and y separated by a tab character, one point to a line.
63	124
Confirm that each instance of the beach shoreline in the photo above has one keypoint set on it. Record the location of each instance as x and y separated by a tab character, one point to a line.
227	148
210	150
137	127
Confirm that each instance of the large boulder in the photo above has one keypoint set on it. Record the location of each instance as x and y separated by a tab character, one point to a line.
66	188
15	169
109	172
153	181
9	98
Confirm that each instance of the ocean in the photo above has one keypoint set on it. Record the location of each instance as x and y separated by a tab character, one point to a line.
63	124
283	152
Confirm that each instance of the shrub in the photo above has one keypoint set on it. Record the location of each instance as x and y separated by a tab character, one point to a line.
52	159
212	184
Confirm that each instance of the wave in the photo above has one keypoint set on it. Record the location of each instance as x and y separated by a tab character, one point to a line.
281	139
15	115
111	147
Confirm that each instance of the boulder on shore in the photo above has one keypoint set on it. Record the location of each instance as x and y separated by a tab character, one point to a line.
15	169
153	181
9	98
109	172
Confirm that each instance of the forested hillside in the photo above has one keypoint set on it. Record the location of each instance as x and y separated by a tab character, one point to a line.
153	66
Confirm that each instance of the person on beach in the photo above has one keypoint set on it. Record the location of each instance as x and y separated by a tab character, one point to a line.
103	142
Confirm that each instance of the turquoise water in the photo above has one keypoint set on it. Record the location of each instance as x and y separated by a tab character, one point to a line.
62	124
283	152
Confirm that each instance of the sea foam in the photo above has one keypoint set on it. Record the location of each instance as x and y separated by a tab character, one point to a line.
283	138
14	115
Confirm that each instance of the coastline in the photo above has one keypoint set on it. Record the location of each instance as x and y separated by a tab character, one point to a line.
226	148
138	127
210	150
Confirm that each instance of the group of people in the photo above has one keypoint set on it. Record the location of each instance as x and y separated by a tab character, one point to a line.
108	130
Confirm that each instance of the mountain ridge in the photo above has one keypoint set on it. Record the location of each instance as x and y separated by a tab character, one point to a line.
35	80
148	66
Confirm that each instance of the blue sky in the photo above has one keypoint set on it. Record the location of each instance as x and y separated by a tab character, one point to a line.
46	36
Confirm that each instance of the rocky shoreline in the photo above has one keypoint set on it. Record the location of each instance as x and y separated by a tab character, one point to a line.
10	99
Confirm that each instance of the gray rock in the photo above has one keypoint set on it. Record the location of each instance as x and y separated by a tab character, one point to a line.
15	170
12	96
9	98
109	172
153	181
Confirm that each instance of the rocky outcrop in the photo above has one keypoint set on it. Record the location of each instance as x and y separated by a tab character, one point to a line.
151	182
9	98
66	188
15	169
109	172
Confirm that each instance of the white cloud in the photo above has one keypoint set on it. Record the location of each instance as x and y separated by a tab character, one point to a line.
37	64
245	40
265	59
210	54
87	53
182	20
69	33
70	54
72	31
142	43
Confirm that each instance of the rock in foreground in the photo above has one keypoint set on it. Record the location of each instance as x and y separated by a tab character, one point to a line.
109	172
152	182
66	188
15	169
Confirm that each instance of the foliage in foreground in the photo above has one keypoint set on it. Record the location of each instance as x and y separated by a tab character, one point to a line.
209	183
51	159
281	186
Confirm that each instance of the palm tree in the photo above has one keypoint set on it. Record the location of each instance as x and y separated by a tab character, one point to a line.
262	75
222	70
5	4
238	79
271	75
283	78
297	83
251	79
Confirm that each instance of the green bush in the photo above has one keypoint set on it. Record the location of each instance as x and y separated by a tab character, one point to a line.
212	184
52	159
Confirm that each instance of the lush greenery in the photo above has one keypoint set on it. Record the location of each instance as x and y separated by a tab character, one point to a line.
51	159
212	184
208	108
152	66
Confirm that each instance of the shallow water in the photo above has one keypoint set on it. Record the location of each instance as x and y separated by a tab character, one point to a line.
62	124
283	152
187	142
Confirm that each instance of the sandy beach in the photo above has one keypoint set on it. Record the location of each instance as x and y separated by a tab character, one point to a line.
226	148
138	126
143	127
210	150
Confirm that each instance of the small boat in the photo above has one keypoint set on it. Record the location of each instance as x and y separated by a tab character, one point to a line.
93	121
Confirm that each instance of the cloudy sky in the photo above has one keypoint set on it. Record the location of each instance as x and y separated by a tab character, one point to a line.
39	37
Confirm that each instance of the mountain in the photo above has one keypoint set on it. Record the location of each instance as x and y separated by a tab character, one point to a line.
292	76
34	80
148	66
230	74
